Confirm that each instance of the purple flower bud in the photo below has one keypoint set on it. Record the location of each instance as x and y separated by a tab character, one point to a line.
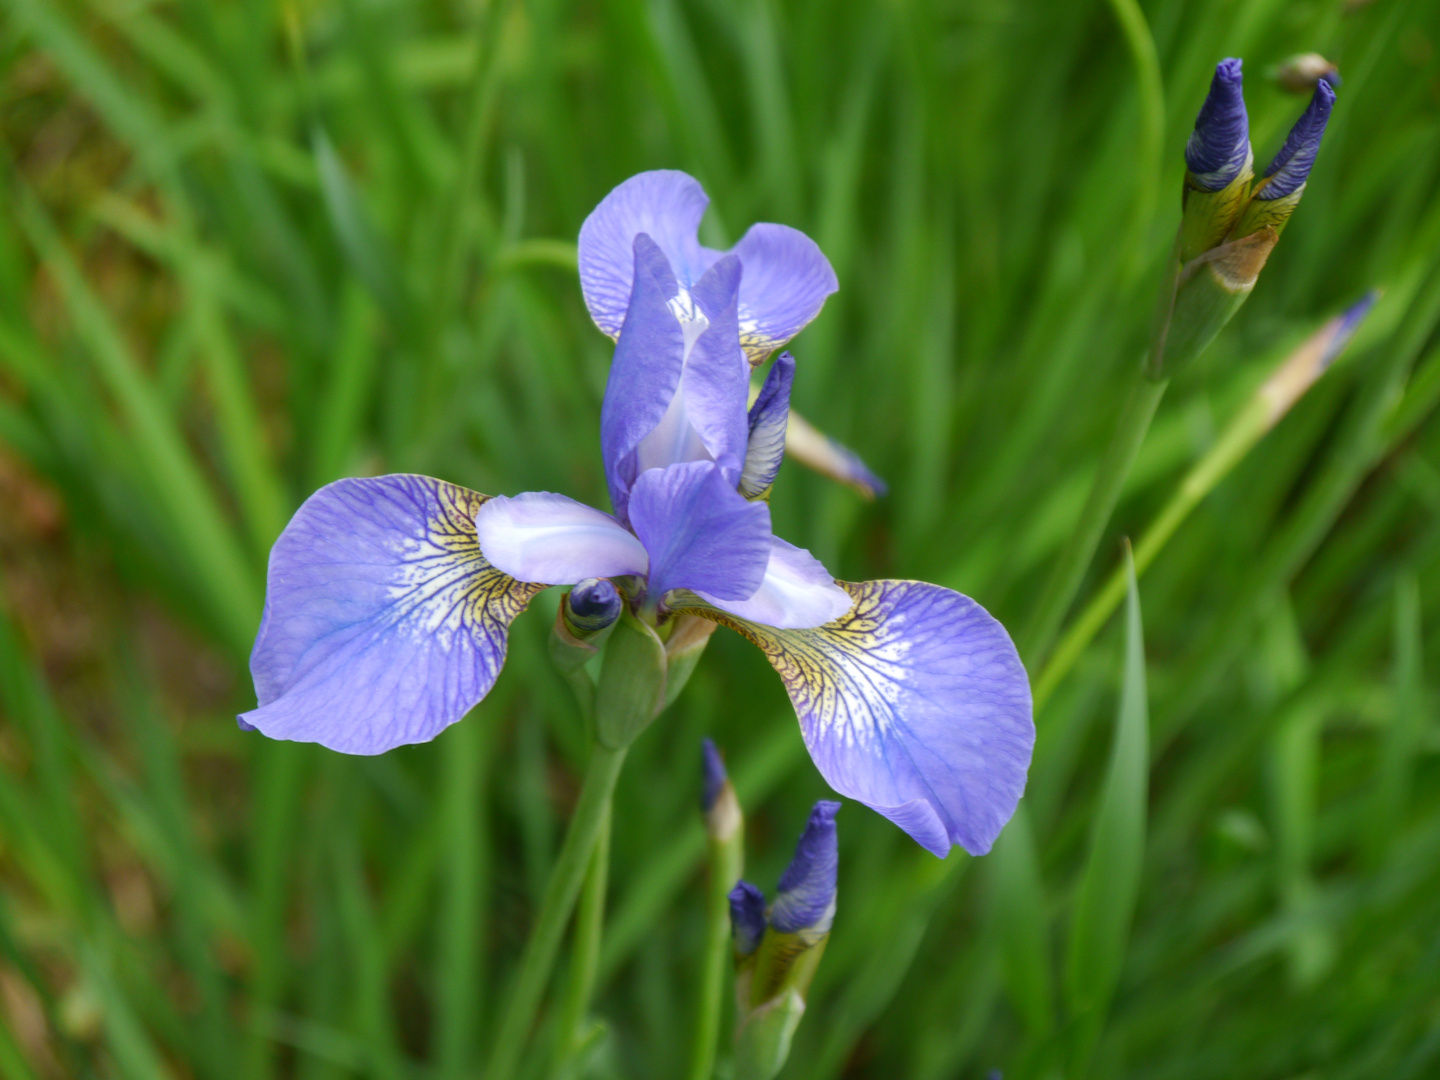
594	604
747	917
806	898
1219	147
1345	327
712	768
1292	165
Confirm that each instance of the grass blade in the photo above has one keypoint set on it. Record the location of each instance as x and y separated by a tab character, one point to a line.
1100	928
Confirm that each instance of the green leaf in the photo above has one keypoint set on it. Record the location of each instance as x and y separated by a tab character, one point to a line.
1018	899
1100	929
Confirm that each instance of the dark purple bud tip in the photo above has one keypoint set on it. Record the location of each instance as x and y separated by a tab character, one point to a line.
594	604
1345	327
712	767
806	898
747	917
1219	147
1292	165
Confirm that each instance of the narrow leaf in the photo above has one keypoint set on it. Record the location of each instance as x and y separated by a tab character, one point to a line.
1101	926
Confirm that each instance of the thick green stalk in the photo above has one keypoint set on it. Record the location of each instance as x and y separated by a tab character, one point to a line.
586	826
1114	467
1239	438
585	959
726	864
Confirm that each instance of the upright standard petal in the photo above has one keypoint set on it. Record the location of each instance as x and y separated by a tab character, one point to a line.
383	622
787	279
665	204
700	532
797	592
914	703
645	374
716	382
768	417
539	536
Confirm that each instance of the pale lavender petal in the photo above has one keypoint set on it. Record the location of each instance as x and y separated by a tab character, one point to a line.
539	536
767	420
664	204
914	703
786	281
700	532
797	592
645	374
716	383
805	900
383	622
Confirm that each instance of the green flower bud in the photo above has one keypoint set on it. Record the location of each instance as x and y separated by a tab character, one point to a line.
1202	297
587	614
689	634
631	690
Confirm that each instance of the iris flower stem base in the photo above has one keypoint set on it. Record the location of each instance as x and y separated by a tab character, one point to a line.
1120	454
586	824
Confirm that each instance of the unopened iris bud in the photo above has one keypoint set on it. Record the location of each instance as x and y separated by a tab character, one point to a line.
1218	164
805	903
1214	274
1278	192
1300	73
774	977
803	911
586	616
718	802
591	607
747	918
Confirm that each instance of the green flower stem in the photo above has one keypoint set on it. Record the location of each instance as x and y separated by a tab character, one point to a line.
1247	429
585	960
726	863
1115	466
589	821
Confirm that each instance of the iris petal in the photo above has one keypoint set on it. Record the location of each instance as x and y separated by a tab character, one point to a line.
383	623
700	532
539	536
914	703
667	205
787	279
765	448
716	382
797	592
645	374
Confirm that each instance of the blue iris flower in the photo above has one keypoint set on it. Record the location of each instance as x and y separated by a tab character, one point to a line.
389	599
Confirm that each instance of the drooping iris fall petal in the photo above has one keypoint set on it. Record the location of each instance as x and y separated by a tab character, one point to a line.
383	622
915	703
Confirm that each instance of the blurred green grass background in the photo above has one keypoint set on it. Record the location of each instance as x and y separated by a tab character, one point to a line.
250	247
